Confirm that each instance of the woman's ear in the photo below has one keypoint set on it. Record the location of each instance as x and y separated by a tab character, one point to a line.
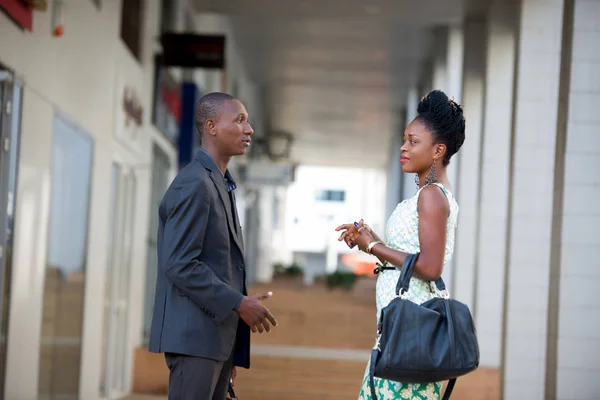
440	151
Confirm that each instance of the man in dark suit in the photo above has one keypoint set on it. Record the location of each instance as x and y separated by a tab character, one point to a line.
202	313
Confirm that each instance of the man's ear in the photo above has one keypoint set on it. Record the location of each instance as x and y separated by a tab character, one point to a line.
210	127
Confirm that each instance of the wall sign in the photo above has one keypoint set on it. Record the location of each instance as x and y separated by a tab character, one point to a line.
193	51
132	107
129	113
19	12
166	107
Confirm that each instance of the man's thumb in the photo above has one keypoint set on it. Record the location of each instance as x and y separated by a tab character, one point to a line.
265	296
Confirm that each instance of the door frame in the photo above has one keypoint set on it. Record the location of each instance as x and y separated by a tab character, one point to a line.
117	311
9	159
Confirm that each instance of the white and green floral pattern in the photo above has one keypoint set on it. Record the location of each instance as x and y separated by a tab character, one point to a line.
402	234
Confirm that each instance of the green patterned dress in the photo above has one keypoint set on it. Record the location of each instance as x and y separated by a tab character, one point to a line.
402	234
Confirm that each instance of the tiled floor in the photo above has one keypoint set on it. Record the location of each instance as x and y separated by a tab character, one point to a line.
320	350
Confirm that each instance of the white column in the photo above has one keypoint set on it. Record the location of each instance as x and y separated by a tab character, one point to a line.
493	197
531	199
408	180
394	172
469	166
453	88
264	262
440	68
577	309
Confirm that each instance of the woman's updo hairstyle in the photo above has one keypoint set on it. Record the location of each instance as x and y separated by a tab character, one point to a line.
444	118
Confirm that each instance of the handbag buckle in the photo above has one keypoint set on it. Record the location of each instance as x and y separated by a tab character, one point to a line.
403	294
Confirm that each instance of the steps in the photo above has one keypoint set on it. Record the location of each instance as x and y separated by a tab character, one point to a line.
319	351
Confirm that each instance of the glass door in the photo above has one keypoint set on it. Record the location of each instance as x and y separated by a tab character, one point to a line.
10	119
115	373
64	283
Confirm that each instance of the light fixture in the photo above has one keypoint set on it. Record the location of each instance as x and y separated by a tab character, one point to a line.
58	26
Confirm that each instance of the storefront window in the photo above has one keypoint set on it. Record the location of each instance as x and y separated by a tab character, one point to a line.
62	321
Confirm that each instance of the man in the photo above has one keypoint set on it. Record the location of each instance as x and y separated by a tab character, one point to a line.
202	314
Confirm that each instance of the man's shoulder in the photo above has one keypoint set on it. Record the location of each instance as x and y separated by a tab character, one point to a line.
193	174
193	180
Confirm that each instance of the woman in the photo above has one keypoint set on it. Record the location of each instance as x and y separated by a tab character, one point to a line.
423	224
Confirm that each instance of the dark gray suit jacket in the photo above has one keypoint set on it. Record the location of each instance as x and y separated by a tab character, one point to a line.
201	272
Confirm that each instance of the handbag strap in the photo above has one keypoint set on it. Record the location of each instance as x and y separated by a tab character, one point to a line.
374	354
406	273
449	388
231	393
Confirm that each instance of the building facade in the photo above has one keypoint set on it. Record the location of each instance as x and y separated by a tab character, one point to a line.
89	126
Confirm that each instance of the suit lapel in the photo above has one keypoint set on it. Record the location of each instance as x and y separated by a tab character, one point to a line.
217	179
239	225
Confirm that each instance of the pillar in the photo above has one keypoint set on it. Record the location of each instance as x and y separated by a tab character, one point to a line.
493	199
468	168
574	314
531	200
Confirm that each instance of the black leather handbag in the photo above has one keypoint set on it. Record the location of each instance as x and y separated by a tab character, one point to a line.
431	342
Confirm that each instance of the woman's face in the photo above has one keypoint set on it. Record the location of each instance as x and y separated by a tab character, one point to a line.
419	149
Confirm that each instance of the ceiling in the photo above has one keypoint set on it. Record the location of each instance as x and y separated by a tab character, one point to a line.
335	73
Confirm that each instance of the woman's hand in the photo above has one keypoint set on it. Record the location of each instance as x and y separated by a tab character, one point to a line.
363	238
356	234
350	232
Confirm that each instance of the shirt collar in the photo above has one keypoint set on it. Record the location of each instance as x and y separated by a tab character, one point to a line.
229	181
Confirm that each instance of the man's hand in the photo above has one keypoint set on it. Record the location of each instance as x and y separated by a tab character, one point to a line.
257	316
233	376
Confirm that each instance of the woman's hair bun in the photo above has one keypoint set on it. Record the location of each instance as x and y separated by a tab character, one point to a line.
444	118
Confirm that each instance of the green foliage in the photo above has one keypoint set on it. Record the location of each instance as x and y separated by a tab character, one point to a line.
295	270
290	270
345	280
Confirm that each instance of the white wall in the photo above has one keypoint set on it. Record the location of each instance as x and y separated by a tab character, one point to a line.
310	224
79	75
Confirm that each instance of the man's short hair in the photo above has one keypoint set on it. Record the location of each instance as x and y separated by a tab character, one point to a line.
209	107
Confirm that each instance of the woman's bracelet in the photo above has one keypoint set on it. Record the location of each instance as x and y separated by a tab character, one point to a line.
371	244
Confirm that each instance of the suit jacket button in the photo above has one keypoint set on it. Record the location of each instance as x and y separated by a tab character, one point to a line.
240	267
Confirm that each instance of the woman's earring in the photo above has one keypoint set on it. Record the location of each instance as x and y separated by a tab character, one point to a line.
431	176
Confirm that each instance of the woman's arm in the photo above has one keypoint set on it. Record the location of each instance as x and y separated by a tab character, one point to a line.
372	232
433	215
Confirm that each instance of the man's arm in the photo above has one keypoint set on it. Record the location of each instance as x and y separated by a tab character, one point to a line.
183	238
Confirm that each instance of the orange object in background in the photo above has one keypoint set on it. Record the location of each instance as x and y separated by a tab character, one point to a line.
59	30
359	264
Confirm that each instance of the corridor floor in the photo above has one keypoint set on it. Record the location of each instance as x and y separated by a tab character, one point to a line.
320	349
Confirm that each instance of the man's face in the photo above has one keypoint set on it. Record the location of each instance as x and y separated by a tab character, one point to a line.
233	131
